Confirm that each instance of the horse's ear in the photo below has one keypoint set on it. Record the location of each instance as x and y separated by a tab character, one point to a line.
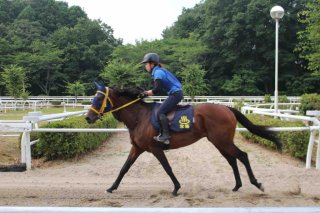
97	85
106	83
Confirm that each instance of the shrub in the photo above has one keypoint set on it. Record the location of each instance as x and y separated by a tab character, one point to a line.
283	99
56	145
238	104
294	143
56	103
309	102
86	102
267	98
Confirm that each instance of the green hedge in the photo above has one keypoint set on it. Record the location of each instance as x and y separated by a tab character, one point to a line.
56	103
86	102
53	145
309	102
267	98
294	143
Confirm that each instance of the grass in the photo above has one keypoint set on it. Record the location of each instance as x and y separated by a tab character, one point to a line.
9	146
18	114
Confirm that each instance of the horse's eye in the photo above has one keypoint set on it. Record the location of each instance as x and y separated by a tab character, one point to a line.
100	97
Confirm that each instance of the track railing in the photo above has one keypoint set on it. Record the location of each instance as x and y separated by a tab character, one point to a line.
30	124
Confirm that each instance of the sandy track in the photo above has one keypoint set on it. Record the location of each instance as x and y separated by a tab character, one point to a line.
205	176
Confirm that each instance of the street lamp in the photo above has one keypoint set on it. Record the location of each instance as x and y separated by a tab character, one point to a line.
276	12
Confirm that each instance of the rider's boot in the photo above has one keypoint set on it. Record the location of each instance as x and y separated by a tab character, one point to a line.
164	135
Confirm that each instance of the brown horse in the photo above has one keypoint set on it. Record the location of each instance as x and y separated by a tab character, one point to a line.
216	122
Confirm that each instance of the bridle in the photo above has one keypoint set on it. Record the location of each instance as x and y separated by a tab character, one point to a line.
107	103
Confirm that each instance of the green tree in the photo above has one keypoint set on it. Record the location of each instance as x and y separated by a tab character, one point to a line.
193	80
77	88
44	65
239	35
121	74
309	38
23	32
35	34
86	48
15	81
175	54
243	83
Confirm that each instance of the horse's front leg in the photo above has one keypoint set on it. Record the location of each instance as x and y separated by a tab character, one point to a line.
159	154
135	152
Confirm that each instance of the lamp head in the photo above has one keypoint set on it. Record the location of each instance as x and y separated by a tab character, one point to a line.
277	12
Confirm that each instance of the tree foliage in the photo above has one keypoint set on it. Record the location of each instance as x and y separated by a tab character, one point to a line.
230	43
53	42
175	55
240	35
309	38
77	88
243	82
193	80
14	79
121	74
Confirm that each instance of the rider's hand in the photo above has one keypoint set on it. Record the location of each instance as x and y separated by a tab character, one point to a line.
148	92
145	94
142	95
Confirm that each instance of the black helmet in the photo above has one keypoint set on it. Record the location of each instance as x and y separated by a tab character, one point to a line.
151	57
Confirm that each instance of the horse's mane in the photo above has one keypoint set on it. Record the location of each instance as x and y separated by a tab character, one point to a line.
132	93
129	93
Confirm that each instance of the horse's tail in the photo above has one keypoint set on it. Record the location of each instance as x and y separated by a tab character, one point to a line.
259	130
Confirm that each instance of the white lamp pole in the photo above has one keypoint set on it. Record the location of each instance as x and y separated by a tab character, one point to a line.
277	12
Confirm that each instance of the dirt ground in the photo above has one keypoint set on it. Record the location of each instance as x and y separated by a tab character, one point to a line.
205	176
9	150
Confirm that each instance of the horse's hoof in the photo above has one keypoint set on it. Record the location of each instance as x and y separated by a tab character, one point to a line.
109	190
176	189
236	188
175	193
261	187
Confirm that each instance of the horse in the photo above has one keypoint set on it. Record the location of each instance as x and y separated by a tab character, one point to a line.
215	122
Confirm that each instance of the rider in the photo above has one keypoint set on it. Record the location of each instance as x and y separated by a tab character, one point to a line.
163	79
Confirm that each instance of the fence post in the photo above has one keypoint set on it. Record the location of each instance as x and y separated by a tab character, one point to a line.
25	141
310	148
316	121
28	150
318	151
23	148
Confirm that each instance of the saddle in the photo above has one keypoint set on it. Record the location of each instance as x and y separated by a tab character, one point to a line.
180	118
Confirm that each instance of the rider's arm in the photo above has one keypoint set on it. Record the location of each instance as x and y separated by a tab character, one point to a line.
156	86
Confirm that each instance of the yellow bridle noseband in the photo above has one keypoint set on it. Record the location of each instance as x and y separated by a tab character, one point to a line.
105	101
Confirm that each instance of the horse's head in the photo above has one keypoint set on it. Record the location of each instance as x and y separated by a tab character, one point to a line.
101	104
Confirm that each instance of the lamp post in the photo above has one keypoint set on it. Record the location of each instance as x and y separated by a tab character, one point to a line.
276	12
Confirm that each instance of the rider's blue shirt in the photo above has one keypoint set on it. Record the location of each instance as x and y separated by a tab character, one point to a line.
168	81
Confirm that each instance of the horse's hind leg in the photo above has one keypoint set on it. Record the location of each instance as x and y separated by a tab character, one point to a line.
233	163
243	157
133	155
231	152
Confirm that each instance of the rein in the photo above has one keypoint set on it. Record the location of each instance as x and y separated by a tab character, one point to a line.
104	103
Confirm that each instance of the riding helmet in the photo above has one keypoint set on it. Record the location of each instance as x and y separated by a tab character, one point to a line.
151	57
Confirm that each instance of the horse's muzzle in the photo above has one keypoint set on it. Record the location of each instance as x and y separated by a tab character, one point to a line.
89	121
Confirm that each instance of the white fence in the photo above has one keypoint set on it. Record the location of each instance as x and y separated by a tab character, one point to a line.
38	102
30	124
12	209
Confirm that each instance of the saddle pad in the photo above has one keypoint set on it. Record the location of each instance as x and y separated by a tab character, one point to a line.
182	120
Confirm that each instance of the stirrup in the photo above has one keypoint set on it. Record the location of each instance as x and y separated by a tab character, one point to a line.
157	138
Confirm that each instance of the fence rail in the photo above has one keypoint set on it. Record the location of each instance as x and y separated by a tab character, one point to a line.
30	124
37	102
11	209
